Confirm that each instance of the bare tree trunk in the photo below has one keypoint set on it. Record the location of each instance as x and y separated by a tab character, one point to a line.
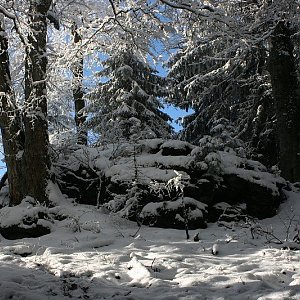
11	128
285	88
78	91
36	150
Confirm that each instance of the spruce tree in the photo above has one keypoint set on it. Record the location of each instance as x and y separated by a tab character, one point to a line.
127	106
227	85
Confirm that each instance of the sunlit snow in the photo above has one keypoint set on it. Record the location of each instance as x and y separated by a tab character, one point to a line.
96	255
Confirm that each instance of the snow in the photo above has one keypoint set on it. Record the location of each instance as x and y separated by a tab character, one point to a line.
148	166
96	255
249	170
11	216
176	144
152	208
117	162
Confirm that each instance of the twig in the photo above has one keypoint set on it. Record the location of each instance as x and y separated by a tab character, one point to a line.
152	263
134	235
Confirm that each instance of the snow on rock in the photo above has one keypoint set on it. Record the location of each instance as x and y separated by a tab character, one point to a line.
24	220
249	170
151	146
54	194
175	214
179	161
23	249
215	249
129	176
176	148
246	180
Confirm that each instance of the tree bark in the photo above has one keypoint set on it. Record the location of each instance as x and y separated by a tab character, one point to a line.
285	88
36	148
78	91
11	126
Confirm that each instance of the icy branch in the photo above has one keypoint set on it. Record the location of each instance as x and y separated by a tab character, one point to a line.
5	12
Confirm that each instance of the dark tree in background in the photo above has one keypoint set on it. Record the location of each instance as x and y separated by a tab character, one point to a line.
285	87
242	68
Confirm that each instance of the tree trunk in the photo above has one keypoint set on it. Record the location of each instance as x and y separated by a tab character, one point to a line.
11	128
285	88
78	91
36	150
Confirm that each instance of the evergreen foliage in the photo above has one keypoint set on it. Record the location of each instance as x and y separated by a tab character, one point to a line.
227	84
127	106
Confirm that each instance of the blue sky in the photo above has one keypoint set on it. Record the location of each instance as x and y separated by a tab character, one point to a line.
174	112
2	164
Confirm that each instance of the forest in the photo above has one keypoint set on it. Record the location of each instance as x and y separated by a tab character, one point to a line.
102	197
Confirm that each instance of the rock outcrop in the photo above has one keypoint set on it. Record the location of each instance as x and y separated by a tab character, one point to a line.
170	183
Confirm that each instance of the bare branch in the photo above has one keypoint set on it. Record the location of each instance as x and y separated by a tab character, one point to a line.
187	6
6	13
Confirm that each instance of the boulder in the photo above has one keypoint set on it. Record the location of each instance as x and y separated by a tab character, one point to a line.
261	201
25	220
176	148
202	190
15	232
180	214
81	184
143	182
225	214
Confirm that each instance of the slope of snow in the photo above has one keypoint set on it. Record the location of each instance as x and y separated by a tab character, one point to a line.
96	255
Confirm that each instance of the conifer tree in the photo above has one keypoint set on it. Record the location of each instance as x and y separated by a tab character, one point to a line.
227	85
127	106
220	89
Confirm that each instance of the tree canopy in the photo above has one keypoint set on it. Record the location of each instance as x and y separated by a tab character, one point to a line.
67	67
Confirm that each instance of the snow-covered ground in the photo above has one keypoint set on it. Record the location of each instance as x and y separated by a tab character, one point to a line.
96	255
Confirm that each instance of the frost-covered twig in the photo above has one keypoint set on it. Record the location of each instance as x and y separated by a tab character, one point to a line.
269	234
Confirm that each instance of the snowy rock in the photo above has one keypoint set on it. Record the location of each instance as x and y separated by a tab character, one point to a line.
176	148
151	146
144	180
80	184
200	189
246	181
260	200
231	214
21	249
217	210
14	232
24	220
215	249
175	214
